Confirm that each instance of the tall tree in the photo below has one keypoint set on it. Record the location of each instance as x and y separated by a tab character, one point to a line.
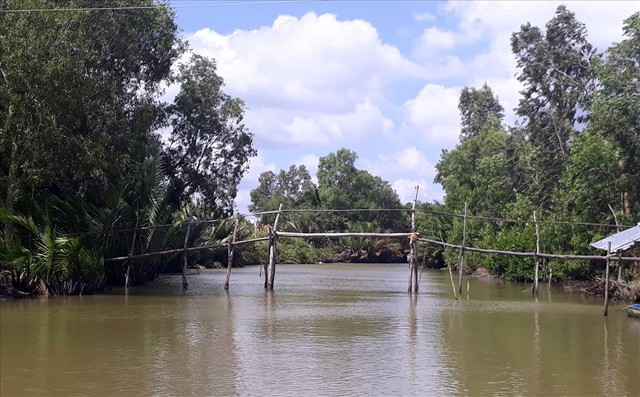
343	186
209	145
77	93
558	73
288	188
292	188
616	109
476	107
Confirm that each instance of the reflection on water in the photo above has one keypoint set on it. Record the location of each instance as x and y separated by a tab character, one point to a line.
325	330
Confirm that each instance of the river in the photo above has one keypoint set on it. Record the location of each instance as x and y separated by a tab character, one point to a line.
326	330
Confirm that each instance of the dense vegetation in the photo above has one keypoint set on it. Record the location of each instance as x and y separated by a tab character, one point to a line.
89	150
573	157
94	162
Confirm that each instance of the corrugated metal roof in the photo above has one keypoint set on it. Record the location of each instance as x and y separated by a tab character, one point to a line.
621	241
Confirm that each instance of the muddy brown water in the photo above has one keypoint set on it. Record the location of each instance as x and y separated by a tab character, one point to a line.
327	330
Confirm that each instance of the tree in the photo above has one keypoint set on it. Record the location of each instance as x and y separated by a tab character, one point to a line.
481	169
343	186
558	73
292	188
476	107
616	109
209	146
77	94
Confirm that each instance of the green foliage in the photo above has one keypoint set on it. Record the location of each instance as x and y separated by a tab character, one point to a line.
209	146
518	239
80	152
562	162
592	166
343	186
77	94
293	250
41	256
478	171
477	107
293	189
357	244
616	109
557	68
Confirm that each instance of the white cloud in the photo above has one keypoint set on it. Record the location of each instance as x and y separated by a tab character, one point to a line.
315	62
366	119
424	16
427	192
433	41
434	114
308	80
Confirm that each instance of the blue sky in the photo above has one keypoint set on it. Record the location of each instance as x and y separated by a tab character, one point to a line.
381	78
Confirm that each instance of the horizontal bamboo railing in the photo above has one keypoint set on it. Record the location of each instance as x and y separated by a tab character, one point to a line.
612	256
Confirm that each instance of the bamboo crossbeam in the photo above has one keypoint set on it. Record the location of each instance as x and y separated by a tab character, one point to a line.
167	252
431	212
529	254
341	235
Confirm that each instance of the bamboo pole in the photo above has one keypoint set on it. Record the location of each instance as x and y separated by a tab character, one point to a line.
180	250
230	251
534	290
461	261
620	263
185	284
530	254
265	267
453	285
273	242
341	235
413	255
127	276
606	281
388	235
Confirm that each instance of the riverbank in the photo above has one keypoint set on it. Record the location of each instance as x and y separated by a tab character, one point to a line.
622	291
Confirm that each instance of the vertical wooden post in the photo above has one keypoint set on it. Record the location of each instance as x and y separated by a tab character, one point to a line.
185	284
273	242
535	257
230	250
127	276
606	281
413	255
453	285
461	261
620	262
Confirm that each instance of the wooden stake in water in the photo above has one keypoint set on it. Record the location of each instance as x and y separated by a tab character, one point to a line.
413	255
127	276
606	280
273	237
230	251
461	261
535	258
185	284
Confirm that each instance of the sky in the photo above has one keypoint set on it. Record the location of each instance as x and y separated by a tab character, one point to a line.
381	78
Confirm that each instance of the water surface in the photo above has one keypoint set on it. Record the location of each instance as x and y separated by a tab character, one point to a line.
327	330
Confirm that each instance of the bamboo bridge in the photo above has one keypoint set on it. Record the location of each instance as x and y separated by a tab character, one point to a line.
414	238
